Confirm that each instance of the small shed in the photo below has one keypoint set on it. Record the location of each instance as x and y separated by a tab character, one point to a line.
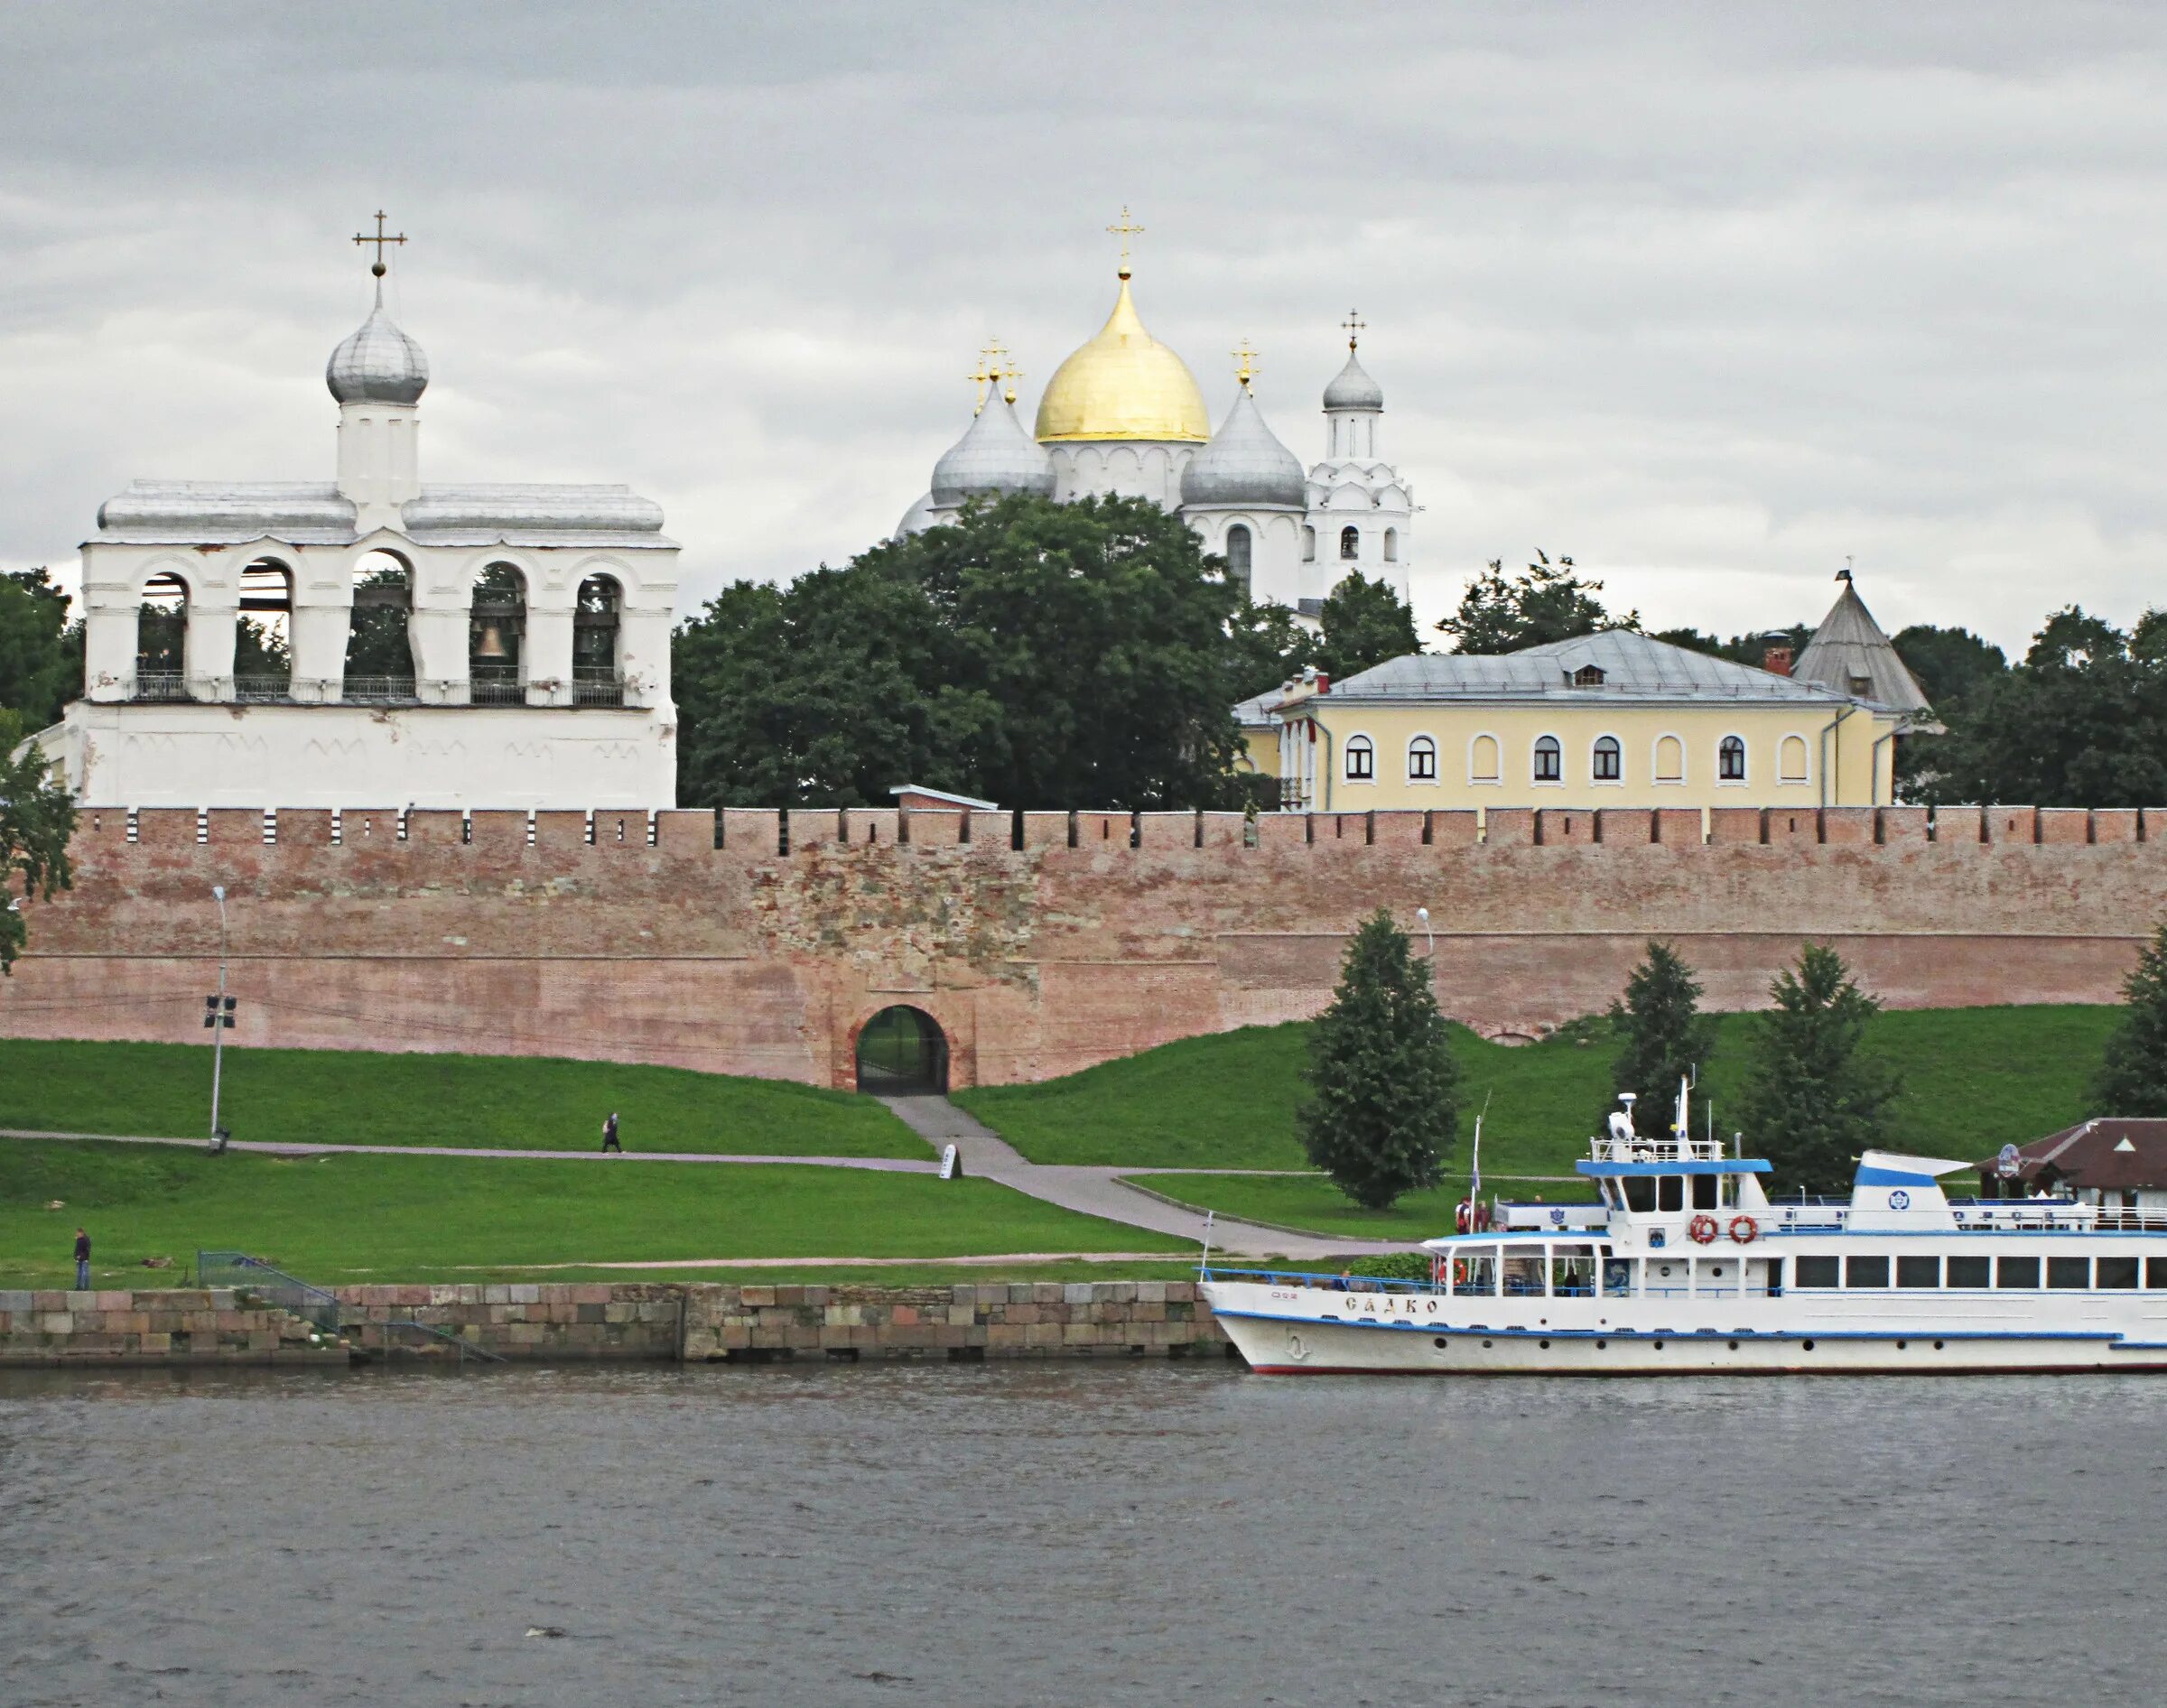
2115	1164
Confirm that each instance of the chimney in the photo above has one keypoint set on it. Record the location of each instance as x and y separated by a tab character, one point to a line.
1323	682
1776	656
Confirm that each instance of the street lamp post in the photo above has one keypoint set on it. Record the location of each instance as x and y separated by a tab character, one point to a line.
219	1020
1422	914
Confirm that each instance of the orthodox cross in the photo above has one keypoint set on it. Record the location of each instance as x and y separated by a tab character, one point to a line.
1127	229
979	376
379	240
1002	367
1245	364
1353	326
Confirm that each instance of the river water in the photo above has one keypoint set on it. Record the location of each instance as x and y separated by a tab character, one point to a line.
1075	1533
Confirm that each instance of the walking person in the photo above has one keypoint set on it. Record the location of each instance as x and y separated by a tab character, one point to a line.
610	1134
82	1261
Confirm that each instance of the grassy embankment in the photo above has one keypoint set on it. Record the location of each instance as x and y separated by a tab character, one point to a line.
350	1096
1974	1078
333	1219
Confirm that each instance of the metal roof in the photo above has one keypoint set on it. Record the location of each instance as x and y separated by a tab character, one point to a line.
305	513
2108	1153
1633	666
1850	647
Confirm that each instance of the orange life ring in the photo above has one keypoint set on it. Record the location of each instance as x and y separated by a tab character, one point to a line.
1459	1275
1744	1230
1701	1230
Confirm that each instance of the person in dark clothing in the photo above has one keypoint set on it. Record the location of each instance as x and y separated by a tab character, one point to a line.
82	1261
610	1134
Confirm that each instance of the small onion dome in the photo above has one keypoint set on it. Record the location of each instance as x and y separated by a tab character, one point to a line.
917	519
377	363
1244	465
1353	388
994	457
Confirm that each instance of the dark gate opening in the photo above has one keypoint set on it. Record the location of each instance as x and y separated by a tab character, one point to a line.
901	1051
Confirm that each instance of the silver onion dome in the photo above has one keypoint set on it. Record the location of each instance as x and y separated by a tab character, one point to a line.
1353	388
1244	464
378	363
995	457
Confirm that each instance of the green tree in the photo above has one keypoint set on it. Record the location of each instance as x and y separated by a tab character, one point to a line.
1951	665
2081	722
1384	1107
40	652
377	641
1740	649
2133	1077
1663	1034
1266	645
1813	1102
1365	623
1039	654
1548	602
37	818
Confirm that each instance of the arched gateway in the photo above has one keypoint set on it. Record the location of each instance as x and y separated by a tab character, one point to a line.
902	1050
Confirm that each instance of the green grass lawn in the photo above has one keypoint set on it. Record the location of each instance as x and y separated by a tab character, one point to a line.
1315	1205
391	1218
1974	1079
354	1097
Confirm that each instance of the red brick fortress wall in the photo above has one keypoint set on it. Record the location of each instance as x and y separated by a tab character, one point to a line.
1042	942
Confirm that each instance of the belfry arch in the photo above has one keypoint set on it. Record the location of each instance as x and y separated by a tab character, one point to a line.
901	1052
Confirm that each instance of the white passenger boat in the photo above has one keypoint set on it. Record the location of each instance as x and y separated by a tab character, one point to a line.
1685	1267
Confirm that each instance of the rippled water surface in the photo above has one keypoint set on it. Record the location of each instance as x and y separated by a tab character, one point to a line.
1075	1535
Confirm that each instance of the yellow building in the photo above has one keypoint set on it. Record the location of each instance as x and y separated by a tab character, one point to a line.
1613	718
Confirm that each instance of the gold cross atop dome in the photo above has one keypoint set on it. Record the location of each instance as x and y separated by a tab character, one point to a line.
1126	229
379	239
979	376
1353	326
1245	364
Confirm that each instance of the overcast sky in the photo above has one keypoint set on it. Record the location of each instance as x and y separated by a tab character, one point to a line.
1709	298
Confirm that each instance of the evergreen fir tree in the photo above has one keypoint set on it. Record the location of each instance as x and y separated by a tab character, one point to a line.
1663	1034
1385	1106
1812	1101
2133	1078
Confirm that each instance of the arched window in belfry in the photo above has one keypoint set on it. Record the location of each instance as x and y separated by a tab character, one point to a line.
597	658
263	650
1350	544
161	639
1309	544
379	644
1238	554
1391	545
497	637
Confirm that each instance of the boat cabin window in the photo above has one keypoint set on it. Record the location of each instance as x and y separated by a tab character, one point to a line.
1639	1192
1968	1272
1669	1192
1617	1276
2016	1272
1573	1271
1475	1271
2069	1272
2117	1272
1866	1272
2155	1272
1814	1272
1522	1274
1704	1191
1918	1272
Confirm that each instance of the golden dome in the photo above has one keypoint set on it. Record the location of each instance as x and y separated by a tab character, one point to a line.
1123	385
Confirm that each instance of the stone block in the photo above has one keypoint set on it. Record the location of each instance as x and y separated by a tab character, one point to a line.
992	832
755	1297
432	827
1222	829
106	1301
15	1299
2114	824
525	1292
1625	826
1045	829
620	832
1043	1334
1166	829
311	826
1681	827
235	826
2064	824
555	832
1729	826
1905	824
1509	827
1959	826
1454	827
1793	827
1283	830
754	831
1850	826
1564	827
1398	829
1080	1334
1077	1292
813	828
1151	1292
686	830
1101	831
870	827
2018	824
1045	1292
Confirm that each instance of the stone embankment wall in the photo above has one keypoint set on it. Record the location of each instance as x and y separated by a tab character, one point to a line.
625	1321
168	1326
1041	942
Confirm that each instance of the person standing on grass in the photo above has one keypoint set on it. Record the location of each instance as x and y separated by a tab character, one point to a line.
82	1261
610	1134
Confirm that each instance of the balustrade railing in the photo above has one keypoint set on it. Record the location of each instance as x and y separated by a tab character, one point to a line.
160	685
498	685
256	691
379	691
597	685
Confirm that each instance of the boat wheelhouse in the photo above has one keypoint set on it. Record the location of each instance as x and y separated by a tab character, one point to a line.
1686	1265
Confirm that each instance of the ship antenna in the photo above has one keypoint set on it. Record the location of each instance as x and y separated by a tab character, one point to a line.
1204	1258
1474	1178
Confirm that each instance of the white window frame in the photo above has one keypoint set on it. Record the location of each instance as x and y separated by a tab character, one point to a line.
1535	779
1617	781
1347	759
1431	781
1804	777
1496	781
1655	765
1745	751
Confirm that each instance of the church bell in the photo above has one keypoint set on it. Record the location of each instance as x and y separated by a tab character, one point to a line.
491	645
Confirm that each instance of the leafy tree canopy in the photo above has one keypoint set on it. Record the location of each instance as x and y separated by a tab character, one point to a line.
1953	665
1547	602
1384	1107
1812	1101
1663	1036
40	652
37	817
1365	623
2133	1078
1741	649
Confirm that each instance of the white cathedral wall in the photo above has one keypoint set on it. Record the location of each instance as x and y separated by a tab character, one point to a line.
1130	468
454	756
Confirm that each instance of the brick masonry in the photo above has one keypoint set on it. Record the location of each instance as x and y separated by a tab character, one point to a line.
169	1326
1041	942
